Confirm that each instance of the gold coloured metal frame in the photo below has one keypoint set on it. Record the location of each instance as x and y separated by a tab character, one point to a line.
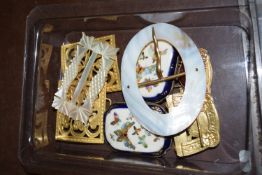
75	131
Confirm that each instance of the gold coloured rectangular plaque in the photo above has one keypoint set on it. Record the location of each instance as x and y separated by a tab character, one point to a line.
204	132
75	131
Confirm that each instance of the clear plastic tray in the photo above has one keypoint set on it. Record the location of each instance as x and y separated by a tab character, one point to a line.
223	28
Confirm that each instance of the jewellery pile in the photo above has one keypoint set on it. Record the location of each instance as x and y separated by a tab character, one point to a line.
161	68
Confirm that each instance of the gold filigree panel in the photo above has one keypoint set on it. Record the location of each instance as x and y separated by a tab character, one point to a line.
113	77
75	131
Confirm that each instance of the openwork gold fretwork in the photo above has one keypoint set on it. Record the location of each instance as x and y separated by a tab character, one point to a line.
204	132
113	77
75	131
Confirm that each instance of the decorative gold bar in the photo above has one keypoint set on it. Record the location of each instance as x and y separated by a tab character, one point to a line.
169	78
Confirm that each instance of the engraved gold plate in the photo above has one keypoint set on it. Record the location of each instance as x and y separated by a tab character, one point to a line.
71	130
204	132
